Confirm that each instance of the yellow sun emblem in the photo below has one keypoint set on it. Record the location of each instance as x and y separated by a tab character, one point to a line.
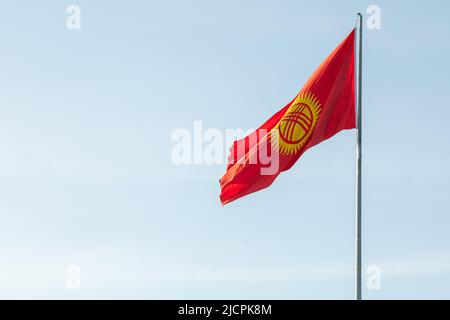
297	124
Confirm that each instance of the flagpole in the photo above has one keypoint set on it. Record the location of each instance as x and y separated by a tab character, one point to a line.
358	165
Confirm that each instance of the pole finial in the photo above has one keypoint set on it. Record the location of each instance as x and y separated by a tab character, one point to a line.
359	18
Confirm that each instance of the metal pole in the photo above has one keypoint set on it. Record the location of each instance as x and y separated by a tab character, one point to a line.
358	165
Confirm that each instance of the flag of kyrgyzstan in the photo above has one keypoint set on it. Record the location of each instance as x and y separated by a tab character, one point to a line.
322	108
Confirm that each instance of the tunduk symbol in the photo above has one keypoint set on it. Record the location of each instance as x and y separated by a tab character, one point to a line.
296	124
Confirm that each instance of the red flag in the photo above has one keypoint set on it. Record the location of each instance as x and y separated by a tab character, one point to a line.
324	106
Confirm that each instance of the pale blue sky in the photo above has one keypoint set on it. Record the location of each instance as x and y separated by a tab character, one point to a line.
86	177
